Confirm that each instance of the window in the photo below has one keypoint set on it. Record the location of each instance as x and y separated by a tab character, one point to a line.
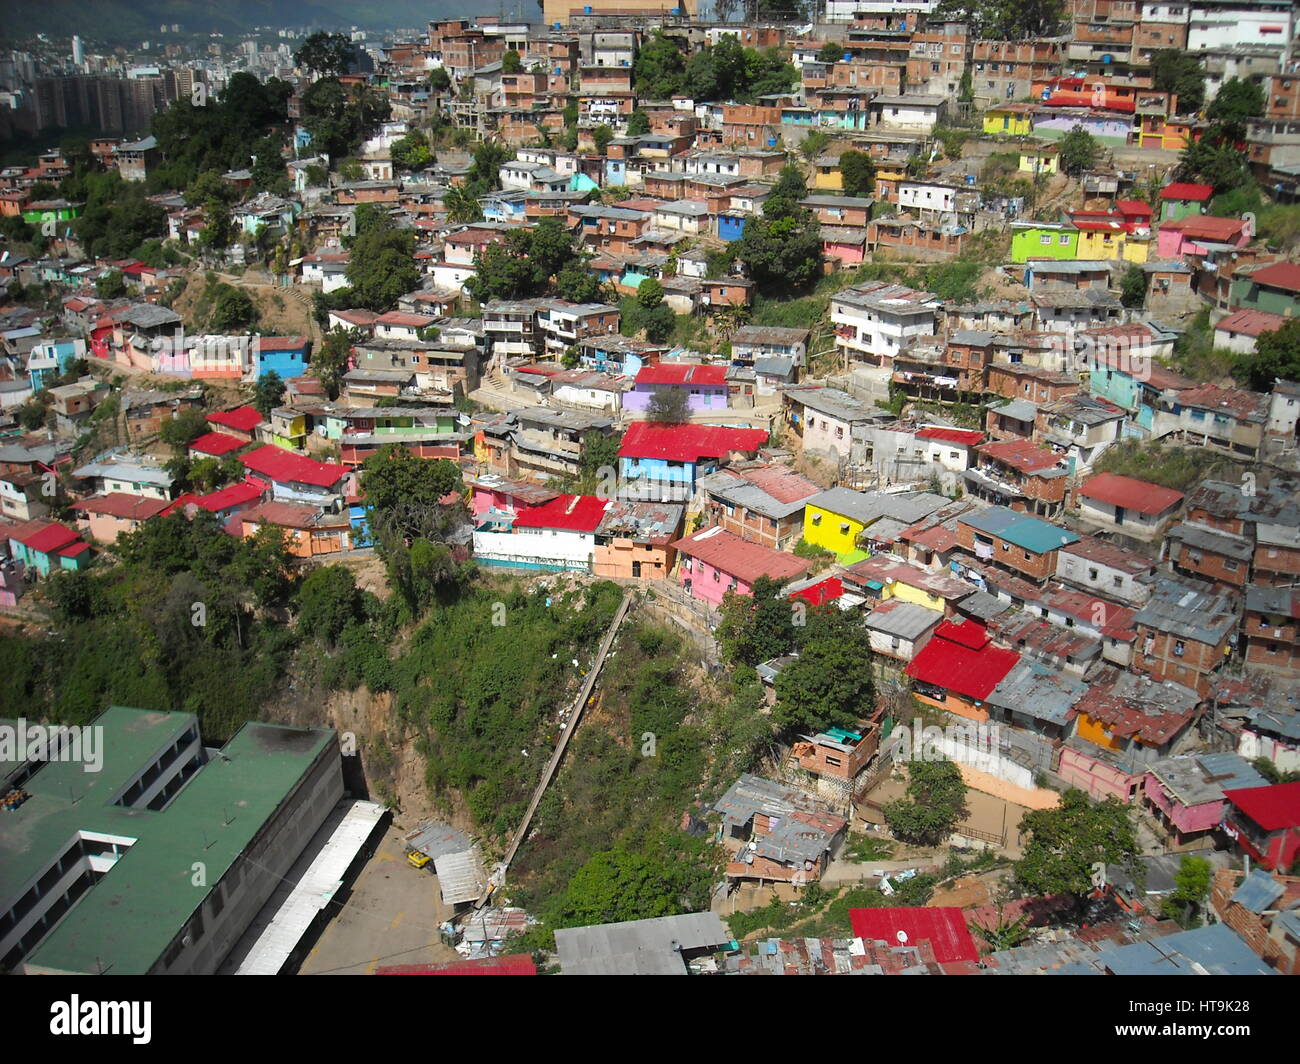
1093	574
817	519
716	578
1064	240
1179	648
1046	238
1230	566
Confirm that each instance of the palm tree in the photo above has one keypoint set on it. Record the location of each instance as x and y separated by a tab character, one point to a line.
462	205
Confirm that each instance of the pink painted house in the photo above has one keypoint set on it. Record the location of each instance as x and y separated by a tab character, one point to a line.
494	499
1191	235
714	562
1186	793
105	517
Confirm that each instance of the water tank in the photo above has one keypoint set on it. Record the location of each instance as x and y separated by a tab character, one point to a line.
587	10
848	57
771	142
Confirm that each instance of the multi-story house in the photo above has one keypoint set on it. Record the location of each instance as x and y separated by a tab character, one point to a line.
1185	633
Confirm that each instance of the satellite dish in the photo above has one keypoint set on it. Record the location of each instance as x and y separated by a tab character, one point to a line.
902	937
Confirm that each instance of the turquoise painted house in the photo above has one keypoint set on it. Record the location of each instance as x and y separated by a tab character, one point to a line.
46	547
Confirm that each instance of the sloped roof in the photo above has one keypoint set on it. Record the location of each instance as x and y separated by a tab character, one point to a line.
687	443
285	466
738	558
1130	493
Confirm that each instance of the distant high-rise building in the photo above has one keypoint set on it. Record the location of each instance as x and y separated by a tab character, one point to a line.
78	52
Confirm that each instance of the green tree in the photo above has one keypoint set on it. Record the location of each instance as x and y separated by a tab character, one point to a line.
1078	151
757	627
462	205
330	362
184	428
268	393
404	493
659	68
1277	356
233	312
830	52
638	123
782	252
576	283
1176	71
934	805
1236	103
325	53
382	268
619	885
439	80
111	286
511	63
1133	287
1067	842
649	293
830	683
411	152
601	136
814	143
328	601
858	173
1190	893
668	406
340	118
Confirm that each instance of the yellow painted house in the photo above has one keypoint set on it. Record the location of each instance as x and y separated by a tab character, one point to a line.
834	519
826	174
1136	249
288	428
1011	119
1039	160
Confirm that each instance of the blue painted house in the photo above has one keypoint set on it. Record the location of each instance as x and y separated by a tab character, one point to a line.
360	526
731	226
52	358
289	356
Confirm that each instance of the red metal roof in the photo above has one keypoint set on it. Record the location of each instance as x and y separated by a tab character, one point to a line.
678	373
1024	455
46	540
1279	275
949	663
1180	190
1130	206
515	964
736	557
282	343
119	504
824	591
217	444
572	513
964	436
1130	493
242	418
687	443
286	467
1251	322
234	495
944	927
1272	808
73	550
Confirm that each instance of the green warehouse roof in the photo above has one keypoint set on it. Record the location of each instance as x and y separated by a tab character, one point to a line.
128	918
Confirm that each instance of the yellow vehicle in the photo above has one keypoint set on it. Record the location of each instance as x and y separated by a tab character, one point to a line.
416	859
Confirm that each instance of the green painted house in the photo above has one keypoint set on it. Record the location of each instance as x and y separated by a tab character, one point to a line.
1043	240
56	210
1274	288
